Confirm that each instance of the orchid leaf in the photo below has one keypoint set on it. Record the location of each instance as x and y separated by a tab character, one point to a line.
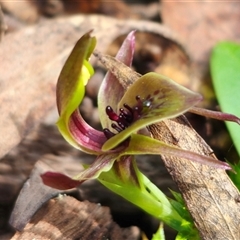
182	210
132	194
73	77
161	98
125	55
141	144
225	65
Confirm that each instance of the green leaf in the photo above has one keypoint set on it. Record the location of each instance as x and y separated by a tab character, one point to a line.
225	70
235	176
186	235
177	196
161	98
159	235
180	207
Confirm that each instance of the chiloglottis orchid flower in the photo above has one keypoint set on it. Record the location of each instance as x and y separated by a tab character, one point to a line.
124	114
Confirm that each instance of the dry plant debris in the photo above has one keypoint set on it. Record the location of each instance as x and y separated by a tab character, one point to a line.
31	58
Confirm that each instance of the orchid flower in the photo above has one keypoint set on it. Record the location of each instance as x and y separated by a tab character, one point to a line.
124	115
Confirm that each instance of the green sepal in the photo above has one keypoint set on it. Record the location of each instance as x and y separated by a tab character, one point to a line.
71	83
75	75
140	144
102	164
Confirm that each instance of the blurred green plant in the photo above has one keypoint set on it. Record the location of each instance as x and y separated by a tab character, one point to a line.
159	235
235	176
225	71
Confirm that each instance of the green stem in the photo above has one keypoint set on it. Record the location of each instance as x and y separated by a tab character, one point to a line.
146	196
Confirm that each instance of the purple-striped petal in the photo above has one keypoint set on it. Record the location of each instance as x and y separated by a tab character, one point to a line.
87	138
111	91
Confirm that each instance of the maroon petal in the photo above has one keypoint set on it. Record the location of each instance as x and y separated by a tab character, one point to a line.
59	181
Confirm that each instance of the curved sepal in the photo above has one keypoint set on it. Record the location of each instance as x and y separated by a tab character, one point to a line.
222	116
103	163
71	84
141	144
59	180
74	76
86	138
161	98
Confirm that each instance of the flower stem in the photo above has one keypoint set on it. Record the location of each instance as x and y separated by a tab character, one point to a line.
146	196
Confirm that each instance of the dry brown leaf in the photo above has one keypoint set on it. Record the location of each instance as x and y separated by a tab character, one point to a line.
3	26
32	196
84	6
202	24
210	195
24	10
155	53
117	9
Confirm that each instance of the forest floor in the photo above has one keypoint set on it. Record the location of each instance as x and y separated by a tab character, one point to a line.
172	38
